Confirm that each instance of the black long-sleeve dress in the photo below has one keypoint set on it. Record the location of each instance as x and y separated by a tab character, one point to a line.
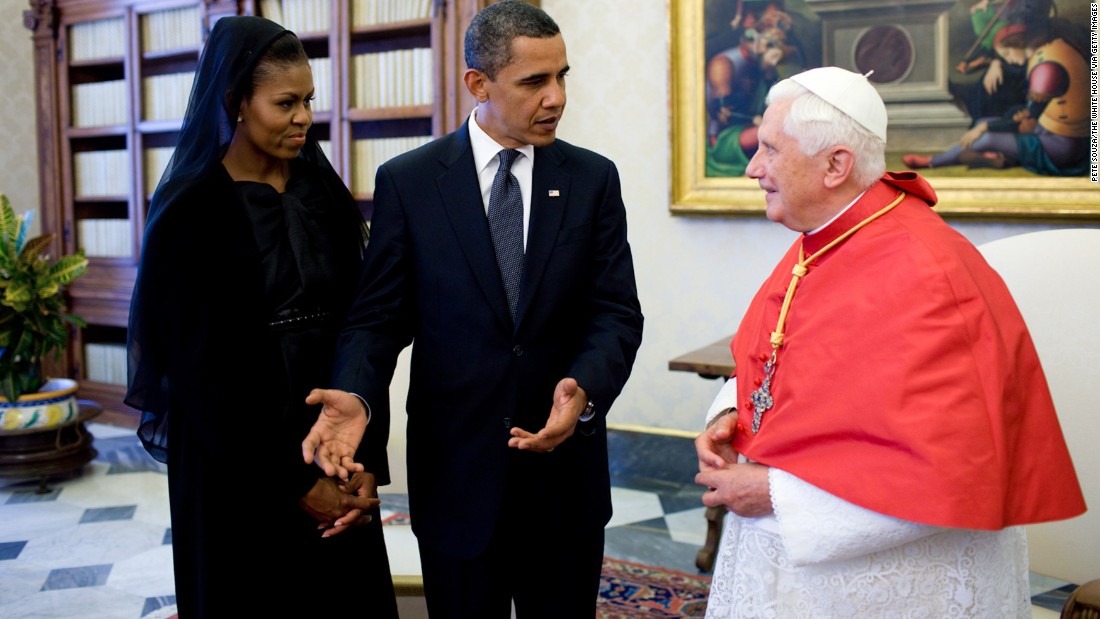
245	288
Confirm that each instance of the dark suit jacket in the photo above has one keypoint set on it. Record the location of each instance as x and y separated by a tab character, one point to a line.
430	277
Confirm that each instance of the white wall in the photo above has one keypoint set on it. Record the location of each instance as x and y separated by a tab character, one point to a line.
19	148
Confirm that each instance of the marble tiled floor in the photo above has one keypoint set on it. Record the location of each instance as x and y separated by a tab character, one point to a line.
98	545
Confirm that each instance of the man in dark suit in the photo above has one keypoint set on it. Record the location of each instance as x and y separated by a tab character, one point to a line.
508	477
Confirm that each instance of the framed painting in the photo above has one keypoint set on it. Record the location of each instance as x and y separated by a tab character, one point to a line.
1013	80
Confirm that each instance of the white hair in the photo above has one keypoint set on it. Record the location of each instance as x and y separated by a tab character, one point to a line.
816	124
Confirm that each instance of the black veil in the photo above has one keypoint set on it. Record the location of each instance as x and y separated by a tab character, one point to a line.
235	46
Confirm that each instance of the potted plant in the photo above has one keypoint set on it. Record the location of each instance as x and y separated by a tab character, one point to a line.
34	326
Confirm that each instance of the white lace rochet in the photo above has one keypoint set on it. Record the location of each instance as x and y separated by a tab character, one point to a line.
821	557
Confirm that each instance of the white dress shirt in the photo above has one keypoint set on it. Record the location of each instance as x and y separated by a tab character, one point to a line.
486	163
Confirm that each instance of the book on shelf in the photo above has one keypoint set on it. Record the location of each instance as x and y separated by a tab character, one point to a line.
101	173
322	83
105	238
96	40
165	96
156	160
370	153
393	78
105	363
171	30
326	148
96	104
298	16
377	12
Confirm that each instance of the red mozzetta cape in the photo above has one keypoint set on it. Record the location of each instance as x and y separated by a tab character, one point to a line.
907	382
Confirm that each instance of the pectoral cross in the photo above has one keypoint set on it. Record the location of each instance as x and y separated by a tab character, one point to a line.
762	397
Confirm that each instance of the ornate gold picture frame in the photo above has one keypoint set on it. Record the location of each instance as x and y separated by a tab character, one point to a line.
937	31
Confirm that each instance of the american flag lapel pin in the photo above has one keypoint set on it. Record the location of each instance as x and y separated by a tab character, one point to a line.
553	193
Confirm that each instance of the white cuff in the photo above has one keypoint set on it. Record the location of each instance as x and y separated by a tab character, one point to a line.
365	405
724	401
818	526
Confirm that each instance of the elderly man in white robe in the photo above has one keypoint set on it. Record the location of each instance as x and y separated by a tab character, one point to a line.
895	428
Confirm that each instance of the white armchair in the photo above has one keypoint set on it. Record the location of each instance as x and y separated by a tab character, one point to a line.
1053	277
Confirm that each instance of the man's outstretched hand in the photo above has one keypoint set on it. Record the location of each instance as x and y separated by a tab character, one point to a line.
569	402
333	439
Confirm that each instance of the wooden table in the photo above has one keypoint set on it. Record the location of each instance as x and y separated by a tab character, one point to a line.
711	361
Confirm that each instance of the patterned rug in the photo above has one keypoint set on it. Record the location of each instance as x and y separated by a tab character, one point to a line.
630	590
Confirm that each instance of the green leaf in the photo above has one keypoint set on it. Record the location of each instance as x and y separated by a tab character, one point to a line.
35	246
34	319
18	295
68	268
9	230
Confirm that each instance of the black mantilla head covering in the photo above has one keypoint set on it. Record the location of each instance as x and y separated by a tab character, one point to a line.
235	47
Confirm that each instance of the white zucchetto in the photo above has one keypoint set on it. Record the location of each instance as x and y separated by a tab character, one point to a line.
850	93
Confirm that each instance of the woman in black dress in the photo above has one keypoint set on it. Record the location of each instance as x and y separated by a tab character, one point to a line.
251	254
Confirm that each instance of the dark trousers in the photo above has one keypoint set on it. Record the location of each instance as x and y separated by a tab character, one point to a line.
551	571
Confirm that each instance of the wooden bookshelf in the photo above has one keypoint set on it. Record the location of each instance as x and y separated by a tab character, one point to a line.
90	52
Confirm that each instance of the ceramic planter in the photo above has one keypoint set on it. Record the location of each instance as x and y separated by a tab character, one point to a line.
54	405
